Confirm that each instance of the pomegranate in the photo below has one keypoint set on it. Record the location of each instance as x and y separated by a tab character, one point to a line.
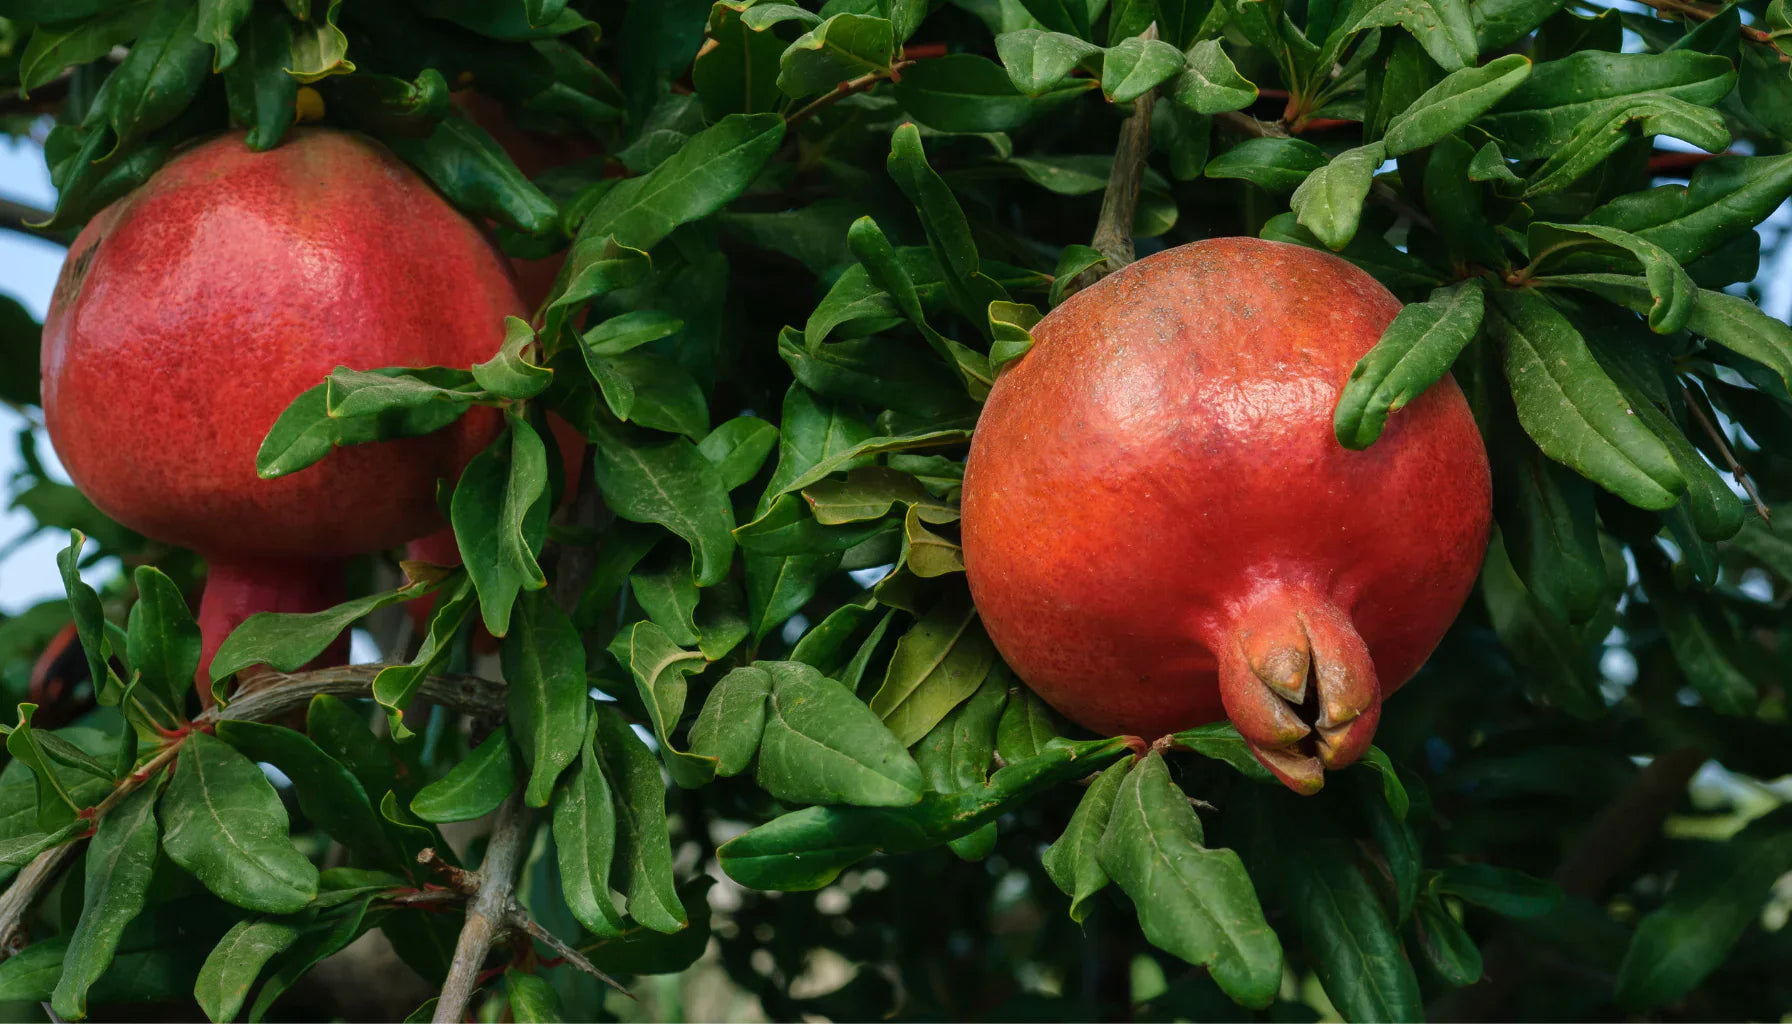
192	311
1161	530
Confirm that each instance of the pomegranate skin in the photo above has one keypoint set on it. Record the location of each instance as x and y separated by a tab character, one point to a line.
1154	492
191	312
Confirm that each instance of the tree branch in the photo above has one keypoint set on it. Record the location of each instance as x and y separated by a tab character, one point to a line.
1120	202
1610	844
272	696
1717	437
845	89
488	914
520	920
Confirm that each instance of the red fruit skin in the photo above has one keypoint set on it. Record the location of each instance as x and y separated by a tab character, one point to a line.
191	312
1155	487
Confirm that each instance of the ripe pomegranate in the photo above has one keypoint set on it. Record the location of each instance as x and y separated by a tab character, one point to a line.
1161	530
192	311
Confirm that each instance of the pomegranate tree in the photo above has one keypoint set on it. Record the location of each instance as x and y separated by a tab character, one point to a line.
191	312
1161	530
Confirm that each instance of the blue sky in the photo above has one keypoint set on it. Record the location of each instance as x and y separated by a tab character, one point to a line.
28	268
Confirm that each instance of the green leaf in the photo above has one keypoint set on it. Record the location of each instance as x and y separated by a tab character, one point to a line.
352	393
473	170
1670	289
1134	67
1279	165
585	839
821	745
1570	407
738	448
1210	82
660	669
286	641
1342	918
1442	27
671	484
1489	164
957	753
395	685
1039	62
732	721
1557	662
305	432
328	794
962	92
531	998
1070	16
1725	197
807	849
159	77
163	645
628	331
474	787
1071	263
319	48
844	47
120	861
1221	742
1026	728
1701	655
1329	202
1073	862
738	73
1414	352
545	701
508	373
1194	902
57	44
500	511
1713	902
705	174
223	822
948	231
644	843
90	617
1727	320
236	962
218	22
1501	890
1444	943
57	806
1453	103
327	937
595	265
1562	97
938	663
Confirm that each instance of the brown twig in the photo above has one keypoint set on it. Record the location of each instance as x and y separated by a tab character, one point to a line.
1737	473
1610	844
1120	201
521	920
845	89
489	913
1700	12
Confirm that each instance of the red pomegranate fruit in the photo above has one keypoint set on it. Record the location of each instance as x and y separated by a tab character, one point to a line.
191	312
1161	530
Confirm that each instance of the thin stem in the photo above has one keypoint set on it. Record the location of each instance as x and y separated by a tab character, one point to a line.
23	218
1120	202
520	919
1700	12
1739	474
845	89
1245	124
487	915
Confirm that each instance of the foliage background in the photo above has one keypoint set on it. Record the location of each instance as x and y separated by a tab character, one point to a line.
1582	804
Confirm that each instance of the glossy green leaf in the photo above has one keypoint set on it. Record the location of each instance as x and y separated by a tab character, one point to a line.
844	47
1279	165
236	962
223	822
936	665
1545	114
500	512
672	484
1073	862
509	373
738	73
733	719
395	685
163	640
704	175
1711	904
1193	902
1570	407
1039	62
327	793
1134	67
1341	917
738	448
1209	83
89	616
822	745
1453	103
1415	352
305	432
1501	890
474	787
1329	202
319	48
120	862
545	702
1725	197
585	838
962	92
472	169
1442	27
357	393
1671	291
661	669
1444	943
644	846
531	998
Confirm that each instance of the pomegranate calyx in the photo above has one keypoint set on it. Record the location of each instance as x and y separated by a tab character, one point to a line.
1298	726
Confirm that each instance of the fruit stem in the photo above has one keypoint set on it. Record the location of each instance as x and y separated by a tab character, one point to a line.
238	588
1120	203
